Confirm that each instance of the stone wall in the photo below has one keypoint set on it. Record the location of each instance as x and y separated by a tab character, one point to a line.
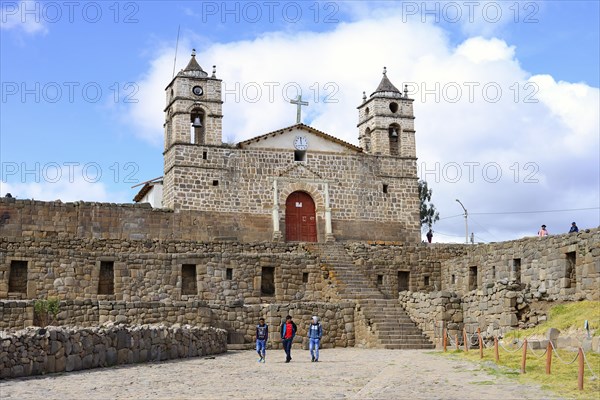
557	267
55	349
383	262
494	309
432	311
87	313
226	272
30	218
238	321
16	314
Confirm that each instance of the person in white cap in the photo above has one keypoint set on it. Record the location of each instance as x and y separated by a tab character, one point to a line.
315	332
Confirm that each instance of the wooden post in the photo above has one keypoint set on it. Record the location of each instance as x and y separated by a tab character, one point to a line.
465	340
496	353
523	360
480	343
549	358
456	340
445	340
580	373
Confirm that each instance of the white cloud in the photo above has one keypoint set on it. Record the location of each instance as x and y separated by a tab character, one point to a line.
479	50
63	183
521	142
25	15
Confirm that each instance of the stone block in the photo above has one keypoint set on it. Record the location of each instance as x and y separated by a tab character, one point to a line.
111	356
73	363
552	334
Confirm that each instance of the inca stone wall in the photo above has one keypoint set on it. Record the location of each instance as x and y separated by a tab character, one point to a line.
233	180
36	351
557	267
382	262
431	311
62	249
494	309
238	321
226	273
485	288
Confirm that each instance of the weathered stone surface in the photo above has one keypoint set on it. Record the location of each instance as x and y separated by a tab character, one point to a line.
35	361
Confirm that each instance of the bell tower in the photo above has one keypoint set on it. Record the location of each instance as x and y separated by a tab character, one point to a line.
194	107
386	121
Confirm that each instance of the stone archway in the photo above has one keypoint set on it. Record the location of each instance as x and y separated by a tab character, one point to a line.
300	218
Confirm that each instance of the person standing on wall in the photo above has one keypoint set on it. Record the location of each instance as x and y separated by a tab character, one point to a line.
574	228
315	332
288	332
262	335
543	232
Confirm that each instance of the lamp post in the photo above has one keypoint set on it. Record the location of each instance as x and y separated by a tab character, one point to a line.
466	222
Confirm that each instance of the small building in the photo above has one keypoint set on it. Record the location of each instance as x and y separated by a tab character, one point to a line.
151	192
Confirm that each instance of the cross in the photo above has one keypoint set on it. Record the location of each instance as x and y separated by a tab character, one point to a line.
299	103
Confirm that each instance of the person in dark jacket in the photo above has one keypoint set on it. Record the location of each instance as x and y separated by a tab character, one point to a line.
574	228
262	335
288	332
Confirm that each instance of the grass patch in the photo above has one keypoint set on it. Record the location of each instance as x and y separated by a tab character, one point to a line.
568	317
482	383
562	380
565	317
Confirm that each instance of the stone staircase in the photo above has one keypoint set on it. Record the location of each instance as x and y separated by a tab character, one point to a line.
391	326
350	282
387	324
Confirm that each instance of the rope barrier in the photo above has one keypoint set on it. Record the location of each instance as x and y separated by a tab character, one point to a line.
589	367
559	357
477	339
511	351
474	340
452	342
535	354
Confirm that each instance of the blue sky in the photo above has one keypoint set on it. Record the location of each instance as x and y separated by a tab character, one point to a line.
82	94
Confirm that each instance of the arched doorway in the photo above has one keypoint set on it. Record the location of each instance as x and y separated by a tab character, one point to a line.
300	218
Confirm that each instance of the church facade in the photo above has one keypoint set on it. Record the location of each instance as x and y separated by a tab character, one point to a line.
296	183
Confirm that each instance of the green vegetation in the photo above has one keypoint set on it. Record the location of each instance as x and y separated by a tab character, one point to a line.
43	309
563	378
565	317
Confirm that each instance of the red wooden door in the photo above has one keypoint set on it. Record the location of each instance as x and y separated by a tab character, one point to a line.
300	219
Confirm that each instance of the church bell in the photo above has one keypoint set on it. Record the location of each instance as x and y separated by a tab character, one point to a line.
197	123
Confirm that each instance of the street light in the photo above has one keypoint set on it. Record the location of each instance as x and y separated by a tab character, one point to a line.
466	222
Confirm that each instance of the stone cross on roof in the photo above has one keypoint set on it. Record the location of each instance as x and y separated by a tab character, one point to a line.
299	103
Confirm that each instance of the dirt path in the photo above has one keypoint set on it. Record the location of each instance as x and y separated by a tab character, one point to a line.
340	374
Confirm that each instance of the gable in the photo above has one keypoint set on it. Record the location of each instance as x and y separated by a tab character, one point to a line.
283	139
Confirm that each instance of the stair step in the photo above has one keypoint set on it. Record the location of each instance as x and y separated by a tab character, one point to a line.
391	325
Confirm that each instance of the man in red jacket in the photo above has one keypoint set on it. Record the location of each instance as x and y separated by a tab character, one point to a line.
288	331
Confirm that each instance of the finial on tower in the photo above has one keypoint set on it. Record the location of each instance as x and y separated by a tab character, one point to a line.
214	74
364	97
384	70
406	91
193	52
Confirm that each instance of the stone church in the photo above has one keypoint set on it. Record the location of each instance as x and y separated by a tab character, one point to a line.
296	183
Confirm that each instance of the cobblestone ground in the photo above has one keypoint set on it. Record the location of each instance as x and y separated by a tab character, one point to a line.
340	373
